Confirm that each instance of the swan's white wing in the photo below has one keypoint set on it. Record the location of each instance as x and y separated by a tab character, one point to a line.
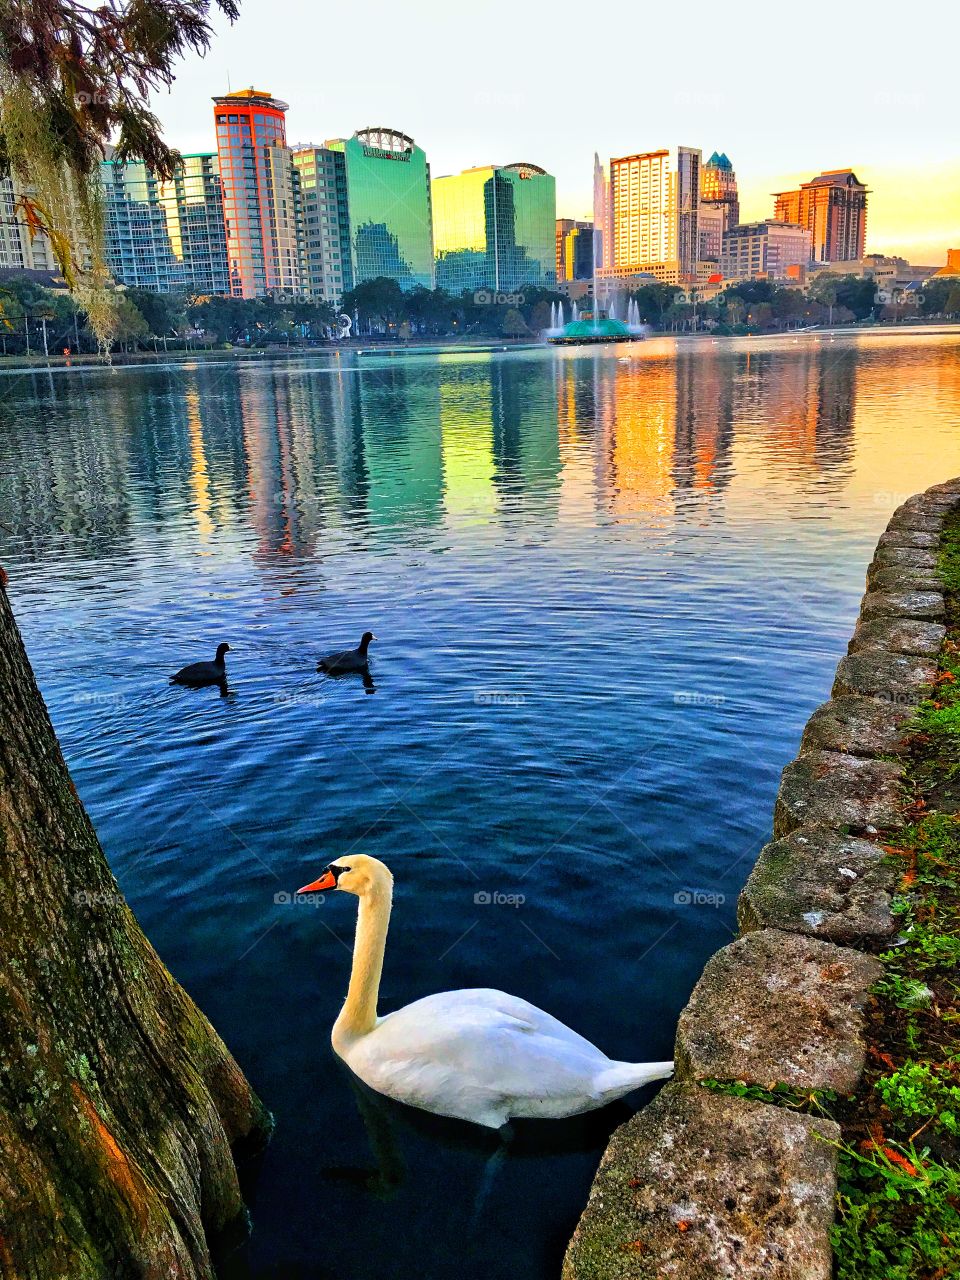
481	1055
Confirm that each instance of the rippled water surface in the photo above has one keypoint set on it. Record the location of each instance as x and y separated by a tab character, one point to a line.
609	587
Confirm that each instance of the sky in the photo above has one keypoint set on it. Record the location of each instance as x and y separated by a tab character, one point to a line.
786	90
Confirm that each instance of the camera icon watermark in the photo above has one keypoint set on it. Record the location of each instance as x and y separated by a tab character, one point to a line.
100	699
494	898
698	898
96	898
889	500
690	698
488	298
497	698
285	899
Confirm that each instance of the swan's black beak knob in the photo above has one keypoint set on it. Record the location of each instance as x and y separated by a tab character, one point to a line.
327	881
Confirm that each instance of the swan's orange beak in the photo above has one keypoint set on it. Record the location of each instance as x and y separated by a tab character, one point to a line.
327	881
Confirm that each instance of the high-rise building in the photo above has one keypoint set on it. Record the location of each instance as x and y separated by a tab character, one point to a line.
18	249
165	236
574	249
764	249
328	270
602	218
494	228
655	205
388	193
261	195
833	207
192	202
138	249
719	204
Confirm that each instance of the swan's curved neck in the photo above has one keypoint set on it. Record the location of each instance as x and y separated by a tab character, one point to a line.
359	1012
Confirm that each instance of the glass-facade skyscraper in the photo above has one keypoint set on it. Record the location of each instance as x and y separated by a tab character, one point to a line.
328	269
192	201
137	245
166	236
388	193
261	195
574	249
495	228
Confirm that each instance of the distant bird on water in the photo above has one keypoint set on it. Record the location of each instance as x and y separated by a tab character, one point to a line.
338	664
199	674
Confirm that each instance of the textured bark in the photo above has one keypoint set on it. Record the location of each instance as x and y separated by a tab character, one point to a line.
119	1103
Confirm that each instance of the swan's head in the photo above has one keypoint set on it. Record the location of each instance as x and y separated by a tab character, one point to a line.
354	873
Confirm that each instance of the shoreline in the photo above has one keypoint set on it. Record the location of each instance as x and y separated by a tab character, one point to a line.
436	346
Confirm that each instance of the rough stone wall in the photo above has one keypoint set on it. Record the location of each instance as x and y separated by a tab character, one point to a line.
700	1184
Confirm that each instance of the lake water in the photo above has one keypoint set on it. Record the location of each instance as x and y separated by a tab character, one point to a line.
609	585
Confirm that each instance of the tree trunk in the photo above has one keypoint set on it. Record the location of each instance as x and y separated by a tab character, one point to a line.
119	1103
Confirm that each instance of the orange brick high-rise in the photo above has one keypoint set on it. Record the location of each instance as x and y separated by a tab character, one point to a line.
833	208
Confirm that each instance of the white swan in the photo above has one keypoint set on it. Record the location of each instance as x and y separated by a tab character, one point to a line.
476	1055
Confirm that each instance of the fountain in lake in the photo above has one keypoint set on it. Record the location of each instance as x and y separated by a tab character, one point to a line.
597	324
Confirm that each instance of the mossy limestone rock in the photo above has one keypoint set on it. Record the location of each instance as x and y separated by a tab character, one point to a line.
858	725
777	1007
901	578
822	883
898	635
919	521
839	791
704	1186
902	557
898	678
909	538
922	605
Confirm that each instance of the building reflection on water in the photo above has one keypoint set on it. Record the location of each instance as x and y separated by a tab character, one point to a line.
290	457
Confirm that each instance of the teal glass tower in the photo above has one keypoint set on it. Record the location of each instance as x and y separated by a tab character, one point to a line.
391	220
495	228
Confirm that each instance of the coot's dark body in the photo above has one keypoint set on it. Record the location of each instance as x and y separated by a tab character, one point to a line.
199	674
338	664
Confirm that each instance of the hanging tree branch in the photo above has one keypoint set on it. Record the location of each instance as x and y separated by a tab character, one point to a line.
73	78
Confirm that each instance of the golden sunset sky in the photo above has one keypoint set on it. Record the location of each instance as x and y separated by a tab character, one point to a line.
786	92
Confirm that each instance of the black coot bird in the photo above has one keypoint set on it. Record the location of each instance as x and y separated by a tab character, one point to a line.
202	673
338	664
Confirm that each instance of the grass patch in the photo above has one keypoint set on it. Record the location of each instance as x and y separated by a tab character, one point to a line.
898	1204
781	1095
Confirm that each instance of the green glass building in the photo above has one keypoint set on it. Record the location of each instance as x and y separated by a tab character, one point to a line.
495	229
388	194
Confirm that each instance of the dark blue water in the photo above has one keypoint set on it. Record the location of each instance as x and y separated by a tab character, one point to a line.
609	588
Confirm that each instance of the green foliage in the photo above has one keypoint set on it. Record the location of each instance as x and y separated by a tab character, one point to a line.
948	557
856	294
514	325
654	301
780	1095
941	297
899	1207
893	1224
921	1089
164	313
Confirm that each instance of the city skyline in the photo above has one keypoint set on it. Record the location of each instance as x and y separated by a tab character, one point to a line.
888	121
